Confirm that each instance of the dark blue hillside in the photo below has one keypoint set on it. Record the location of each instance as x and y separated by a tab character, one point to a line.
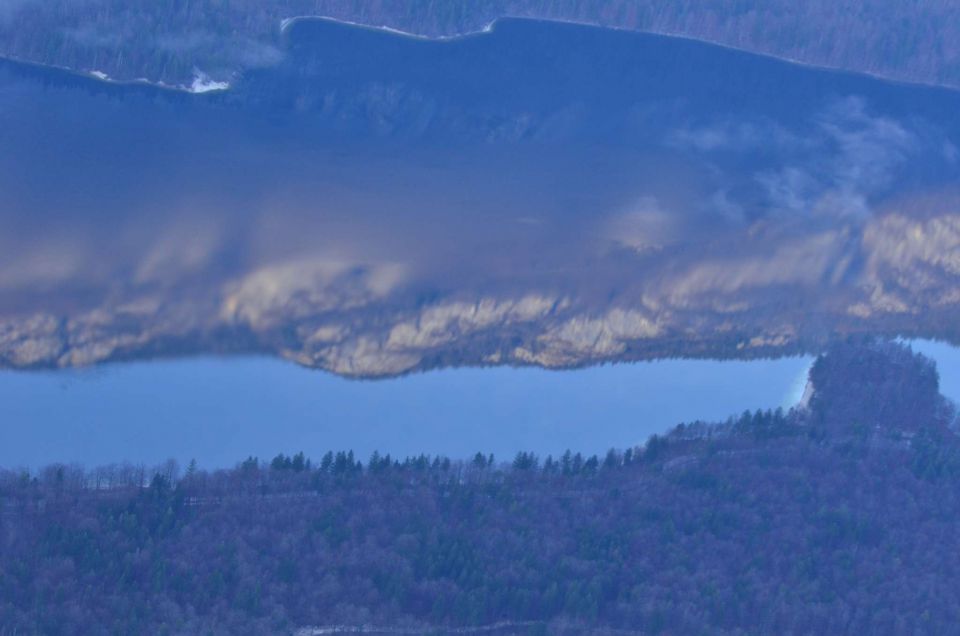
545	79
705	129
558	79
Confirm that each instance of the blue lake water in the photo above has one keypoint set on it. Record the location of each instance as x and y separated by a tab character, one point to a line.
220	410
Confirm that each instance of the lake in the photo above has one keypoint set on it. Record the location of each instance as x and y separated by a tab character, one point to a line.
220	410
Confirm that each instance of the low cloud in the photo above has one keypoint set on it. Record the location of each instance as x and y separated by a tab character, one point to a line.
734	136
846	158
865	150
643	225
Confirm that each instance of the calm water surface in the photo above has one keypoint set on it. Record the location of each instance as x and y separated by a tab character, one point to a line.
219	411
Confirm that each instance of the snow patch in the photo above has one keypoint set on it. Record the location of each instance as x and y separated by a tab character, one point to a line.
202	83
801	391
287	22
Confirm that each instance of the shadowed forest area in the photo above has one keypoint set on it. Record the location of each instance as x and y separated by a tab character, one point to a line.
837	516
170	40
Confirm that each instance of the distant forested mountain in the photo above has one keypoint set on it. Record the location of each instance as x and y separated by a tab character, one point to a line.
827	519
170	40
540	194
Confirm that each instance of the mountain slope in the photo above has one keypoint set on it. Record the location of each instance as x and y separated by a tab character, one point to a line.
378	204
168	41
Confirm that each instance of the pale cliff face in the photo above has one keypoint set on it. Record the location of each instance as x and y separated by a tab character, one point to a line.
362	321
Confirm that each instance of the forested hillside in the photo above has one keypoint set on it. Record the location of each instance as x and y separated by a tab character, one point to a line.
772	522
170	40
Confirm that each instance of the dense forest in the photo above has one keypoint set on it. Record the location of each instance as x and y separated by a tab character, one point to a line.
169	40
826	519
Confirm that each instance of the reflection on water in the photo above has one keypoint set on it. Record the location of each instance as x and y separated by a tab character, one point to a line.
219	411
374	205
